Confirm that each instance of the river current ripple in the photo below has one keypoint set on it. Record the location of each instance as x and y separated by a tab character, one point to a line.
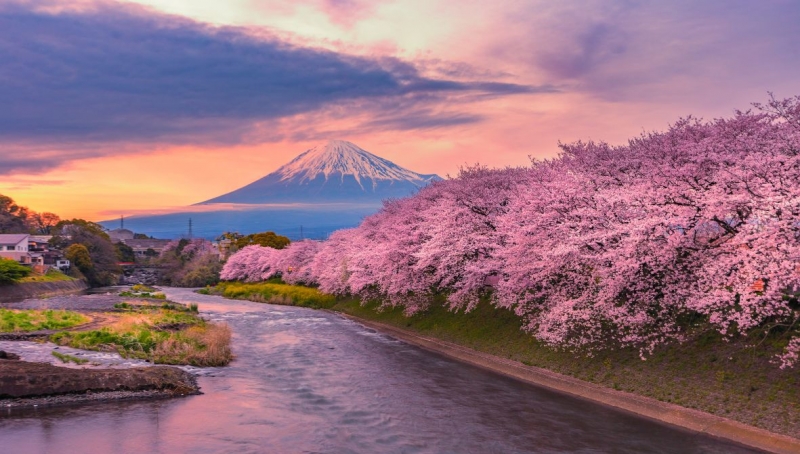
309	381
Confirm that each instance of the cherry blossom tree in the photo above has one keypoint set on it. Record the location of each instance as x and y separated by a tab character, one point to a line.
600	247
294	262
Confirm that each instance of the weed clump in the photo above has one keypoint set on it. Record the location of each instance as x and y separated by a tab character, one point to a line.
69	358
143	291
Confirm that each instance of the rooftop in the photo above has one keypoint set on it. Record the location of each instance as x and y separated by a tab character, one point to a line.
13	238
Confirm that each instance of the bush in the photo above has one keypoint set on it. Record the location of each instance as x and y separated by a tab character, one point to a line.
11	271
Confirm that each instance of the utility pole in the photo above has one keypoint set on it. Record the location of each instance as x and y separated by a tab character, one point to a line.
190	228
301	232
121	221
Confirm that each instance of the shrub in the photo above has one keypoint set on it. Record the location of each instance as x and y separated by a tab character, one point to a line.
11	271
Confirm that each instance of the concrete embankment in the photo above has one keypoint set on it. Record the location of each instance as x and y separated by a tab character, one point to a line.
643	406
23	291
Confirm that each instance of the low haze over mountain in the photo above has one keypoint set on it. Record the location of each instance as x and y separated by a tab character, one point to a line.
338	171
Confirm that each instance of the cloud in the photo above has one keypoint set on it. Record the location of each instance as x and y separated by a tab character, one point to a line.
681	51
18	184
347	12
591	48
110	73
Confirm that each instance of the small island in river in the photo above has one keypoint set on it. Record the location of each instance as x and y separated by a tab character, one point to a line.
139	335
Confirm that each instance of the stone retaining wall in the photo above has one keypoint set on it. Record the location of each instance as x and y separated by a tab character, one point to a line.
19	292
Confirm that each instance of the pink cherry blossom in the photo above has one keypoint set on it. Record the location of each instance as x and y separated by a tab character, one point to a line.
601	247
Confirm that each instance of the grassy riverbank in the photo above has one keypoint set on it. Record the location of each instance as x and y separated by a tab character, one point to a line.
51	276
729	379
275	291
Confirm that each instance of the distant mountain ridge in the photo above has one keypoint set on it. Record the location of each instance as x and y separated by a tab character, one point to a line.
338	171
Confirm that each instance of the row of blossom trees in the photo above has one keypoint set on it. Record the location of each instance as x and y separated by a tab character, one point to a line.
603	246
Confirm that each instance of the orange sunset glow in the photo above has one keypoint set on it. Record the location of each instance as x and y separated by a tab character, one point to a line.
102	122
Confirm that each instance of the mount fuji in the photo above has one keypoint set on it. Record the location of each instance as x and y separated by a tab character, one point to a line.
338	171
326	188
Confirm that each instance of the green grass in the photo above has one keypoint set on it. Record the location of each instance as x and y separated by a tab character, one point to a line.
35	320
727	378
69	358
51	276
276	292
140	307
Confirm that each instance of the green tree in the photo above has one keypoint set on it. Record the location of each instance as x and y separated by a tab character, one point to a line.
80	227
200	271
43	223
124	252
11	271
13	218
105	268
79	257
231	236
266	239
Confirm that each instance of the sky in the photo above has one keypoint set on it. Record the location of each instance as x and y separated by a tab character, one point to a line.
110	108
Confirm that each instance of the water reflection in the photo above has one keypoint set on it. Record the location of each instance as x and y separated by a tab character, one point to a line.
307	381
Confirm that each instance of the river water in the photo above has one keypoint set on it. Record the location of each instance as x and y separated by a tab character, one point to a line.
309	381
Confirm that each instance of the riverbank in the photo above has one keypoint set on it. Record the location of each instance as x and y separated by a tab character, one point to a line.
650	408
707	375
27	290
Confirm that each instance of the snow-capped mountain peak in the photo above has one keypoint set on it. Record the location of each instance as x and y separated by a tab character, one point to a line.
337	171
340	158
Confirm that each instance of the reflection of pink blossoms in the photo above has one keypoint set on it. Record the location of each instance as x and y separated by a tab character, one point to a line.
602	246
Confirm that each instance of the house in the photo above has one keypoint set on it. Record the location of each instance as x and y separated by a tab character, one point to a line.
120	234
37	258
41	252
15	247
224	248
141	246
39	243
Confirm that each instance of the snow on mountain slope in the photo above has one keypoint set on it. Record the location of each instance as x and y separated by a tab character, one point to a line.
338	171
340	158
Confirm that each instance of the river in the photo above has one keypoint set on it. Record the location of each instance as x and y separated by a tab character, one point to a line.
308	381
